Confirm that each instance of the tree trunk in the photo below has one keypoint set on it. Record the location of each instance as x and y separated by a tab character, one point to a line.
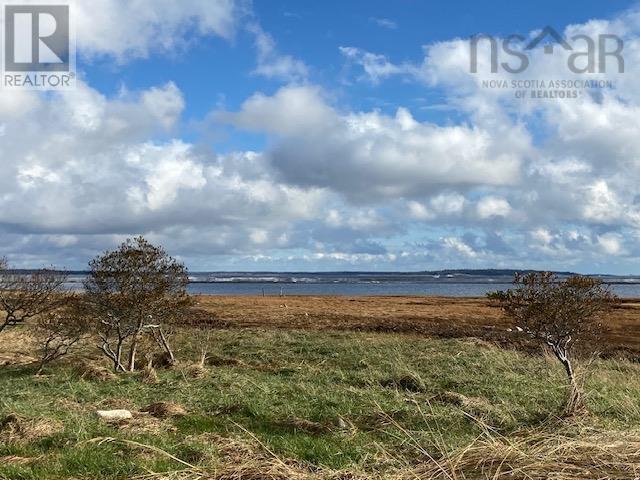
132	353
166	346
40	367
134	347
575	402
118	364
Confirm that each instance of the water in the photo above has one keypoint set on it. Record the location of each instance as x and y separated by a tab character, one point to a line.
453	284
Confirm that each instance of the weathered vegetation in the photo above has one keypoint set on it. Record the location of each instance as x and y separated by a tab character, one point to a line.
133	292
24	296
60	330
321	404
559	314
279	393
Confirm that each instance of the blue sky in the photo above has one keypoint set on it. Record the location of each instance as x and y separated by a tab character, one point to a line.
300	135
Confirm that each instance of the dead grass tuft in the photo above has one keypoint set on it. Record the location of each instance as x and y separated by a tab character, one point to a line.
21	430
410	383
238	460
145	425
476	407
16	460
542	454
149	375
96	373
165	409
197	370
301	424
18	345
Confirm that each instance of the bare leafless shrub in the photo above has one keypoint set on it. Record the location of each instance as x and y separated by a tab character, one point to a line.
24	296
60	330
559	314
134	291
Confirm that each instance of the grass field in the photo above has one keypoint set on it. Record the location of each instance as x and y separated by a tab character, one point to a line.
275	403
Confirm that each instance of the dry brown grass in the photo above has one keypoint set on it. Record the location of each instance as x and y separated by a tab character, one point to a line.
21	430
165	409
197	370
18	345
239	460
563	454
477	407
434	316
16	460
149	375
90	371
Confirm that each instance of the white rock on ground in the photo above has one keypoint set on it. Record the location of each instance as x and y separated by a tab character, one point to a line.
112	415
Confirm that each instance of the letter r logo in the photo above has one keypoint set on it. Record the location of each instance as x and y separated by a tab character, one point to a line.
36	38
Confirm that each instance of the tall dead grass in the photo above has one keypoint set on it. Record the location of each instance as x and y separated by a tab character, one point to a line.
541	454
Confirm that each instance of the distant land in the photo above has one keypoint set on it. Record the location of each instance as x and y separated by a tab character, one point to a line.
480	272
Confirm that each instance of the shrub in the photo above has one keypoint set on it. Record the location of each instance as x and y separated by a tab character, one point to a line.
134	291
559	314
24	296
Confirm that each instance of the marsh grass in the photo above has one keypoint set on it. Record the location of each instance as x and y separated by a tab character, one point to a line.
297	404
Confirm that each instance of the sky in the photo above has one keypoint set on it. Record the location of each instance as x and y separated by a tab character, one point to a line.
330	136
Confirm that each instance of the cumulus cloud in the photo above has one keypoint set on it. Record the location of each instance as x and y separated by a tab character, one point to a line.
376	67
510	182
85	165
125	29
273	64
367	156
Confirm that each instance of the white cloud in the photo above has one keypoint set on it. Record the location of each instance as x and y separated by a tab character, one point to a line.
166	170
271	63
458	247
86	165
493	207
374	156
611	244
376	67
384	22
335	186
125	29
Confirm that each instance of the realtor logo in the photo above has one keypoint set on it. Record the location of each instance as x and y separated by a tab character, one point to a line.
38	47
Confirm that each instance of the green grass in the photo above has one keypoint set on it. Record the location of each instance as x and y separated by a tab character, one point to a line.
383	388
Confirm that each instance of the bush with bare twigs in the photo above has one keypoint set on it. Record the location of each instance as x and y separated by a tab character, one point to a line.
61	330
135	291
24	296
559	314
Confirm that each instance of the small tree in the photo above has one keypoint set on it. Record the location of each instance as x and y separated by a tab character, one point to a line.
134	291
60	330
559	314
24	296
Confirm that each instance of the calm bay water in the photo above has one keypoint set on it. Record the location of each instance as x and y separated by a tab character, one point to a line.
362	284
448	289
